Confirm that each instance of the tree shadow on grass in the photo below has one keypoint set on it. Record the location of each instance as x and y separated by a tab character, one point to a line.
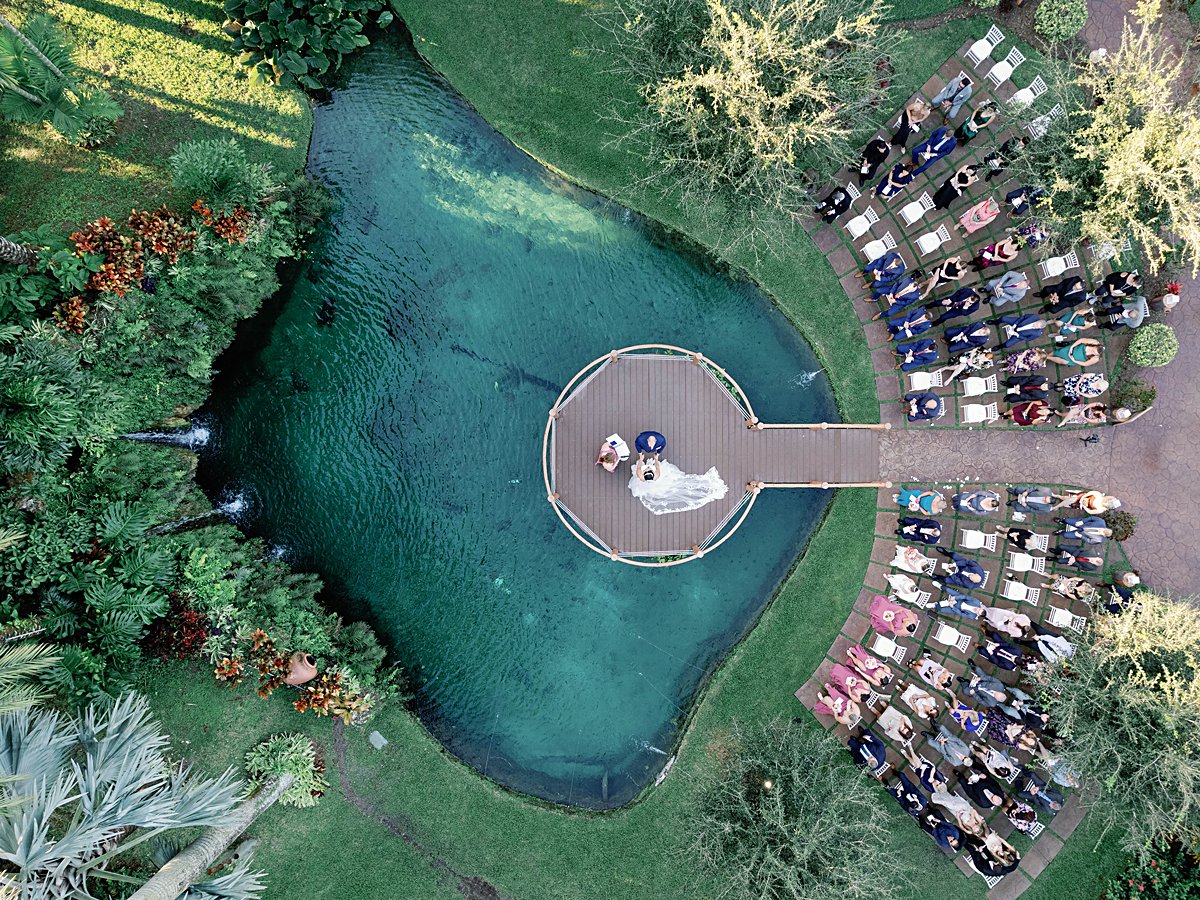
153	23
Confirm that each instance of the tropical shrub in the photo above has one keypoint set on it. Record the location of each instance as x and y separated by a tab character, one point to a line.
1153	345
1122	523
1060	20
1128	707
39	83
289	753
1166	871
46	401
745	102
219	173
1133	393
784	815
180	634
301	39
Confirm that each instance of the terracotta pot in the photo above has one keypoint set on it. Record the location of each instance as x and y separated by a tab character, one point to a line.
301	669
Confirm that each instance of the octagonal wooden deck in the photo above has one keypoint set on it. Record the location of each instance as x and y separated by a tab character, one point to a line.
708	421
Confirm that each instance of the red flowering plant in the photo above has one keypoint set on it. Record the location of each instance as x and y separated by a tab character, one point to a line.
162	232
122	267
1174	287
1166	871
234	226
337	693
180	634
270	663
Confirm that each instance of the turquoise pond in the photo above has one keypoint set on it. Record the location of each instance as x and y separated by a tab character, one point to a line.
385	420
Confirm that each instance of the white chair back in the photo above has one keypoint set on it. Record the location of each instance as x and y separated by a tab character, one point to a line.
982	49
861	224
980	413
914	211
1003	70
872	250
927	243
853	191
975	385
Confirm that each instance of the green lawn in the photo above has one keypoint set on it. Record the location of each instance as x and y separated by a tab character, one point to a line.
906	10
170	66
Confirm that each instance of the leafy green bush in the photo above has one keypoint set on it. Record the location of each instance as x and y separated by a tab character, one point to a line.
301	39
219	172
1194	12
289	753
1122	523
1060	20
743	101
985	4
1167	871
1153	345
785	815
1132	393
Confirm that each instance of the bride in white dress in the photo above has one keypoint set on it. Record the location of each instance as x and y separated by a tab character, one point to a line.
665	488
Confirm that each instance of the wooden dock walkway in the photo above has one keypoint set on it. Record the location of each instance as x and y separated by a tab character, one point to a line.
708	421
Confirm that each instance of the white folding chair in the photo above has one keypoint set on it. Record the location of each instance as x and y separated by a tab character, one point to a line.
915	211
889	649
976	386
861	224
927	243
1003	70
1023	562
873	698
1026	95
1037	829
1056	265
1014	590
973	539
1040	542
883	770
984	47
1102	252
872	250
853	191
952	637
923	381
1064	618
1039	126
980	413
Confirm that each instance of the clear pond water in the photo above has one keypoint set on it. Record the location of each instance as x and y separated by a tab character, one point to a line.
392	440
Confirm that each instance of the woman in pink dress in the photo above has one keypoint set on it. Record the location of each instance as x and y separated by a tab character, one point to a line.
851	683
877	673
834	703
890	617
979	216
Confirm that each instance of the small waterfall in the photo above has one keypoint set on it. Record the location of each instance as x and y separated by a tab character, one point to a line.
229	510
194	437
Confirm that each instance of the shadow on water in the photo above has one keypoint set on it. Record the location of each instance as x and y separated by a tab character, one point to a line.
385	411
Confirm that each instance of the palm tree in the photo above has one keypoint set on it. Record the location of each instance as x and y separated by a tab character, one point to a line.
20	665
16	254
39	82
84	790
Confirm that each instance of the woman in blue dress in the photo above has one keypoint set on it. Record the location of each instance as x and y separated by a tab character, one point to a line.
918	501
